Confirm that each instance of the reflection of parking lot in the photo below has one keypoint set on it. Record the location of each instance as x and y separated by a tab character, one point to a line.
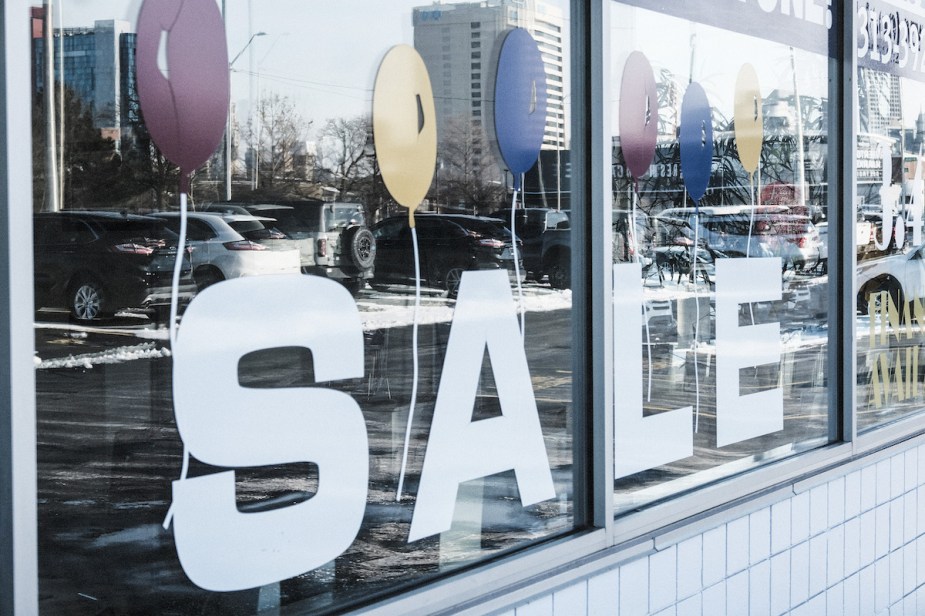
105	415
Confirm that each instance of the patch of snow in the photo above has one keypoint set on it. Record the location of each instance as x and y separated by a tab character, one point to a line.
147	350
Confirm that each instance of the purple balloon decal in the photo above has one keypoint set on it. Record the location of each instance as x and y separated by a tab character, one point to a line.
186	110
520	102
696	141
638	114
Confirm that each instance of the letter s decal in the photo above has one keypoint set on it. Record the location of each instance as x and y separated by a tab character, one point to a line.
224	424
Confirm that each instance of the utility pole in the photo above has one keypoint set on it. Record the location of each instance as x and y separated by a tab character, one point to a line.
62	179
52	204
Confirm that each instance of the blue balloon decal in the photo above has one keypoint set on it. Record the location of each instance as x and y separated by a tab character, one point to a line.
520	102
696	141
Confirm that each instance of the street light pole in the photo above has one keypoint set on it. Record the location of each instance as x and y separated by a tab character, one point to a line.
228	127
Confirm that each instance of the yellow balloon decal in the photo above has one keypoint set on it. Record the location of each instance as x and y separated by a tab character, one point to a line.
404	126
748	118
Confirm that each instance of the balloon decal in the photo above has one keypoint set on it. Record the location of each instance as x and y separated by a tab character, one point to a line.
748	115
520	119
405	134
184	110
404	127
638	114
638	137
696	142
520	102
749	132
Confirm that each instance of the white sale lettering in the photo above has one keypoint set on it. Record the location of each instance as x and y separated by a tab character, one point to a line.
460	449
742	281
224	424
640	443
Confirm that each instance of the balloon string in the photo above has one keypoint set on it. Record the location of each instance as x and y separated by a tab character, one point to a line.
748	246
174	301
751	224
414	362
696	320
520	291
634	242
177	267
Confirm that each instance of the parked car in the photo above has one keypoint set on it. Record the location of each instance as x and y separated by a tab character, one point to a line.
222	208
546	237
96	263
739	231
229	246
448	244
901	275
334	240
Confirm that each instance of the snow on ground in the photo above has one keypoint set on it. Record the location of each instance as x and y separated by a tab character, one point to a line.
381	310
378	310
147	350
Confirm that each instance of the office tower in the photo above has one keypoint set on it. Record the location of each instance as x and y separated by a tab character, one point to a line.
99	67
459	44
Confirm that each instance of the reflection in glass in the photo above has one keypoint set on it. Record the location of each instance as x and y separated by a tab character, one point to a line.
890	270
731	352
307	198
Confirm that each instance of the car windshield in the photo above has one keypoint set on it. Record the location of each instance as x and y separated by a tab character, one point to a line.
292	221
255	230
342	216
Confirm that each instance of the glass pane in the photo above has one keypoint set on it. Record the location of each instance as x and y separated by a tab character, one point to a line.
720	206
334	413
888	207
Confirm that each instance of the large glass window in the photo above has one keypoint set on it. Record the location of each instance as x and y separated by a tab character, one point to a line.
327	399
719	113
888	206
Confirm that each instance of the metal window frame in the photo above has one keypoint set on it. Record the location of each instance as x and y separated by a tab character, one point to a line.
18	509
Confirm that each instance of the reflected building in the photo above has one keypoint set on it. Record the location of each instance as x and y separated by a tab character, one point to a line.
460	43
99	67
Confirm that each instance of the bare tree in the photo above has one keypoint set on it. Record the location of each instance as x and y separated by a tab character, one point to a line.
280	134
469	175
344	153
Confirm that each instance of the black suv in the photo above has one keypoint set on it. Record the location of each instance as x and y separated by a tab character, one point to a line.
546	237
334	241
95	263
449	244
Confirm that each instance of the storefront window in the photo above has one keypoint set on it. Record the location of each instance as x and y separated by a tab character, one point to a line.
359	377
719	112
888	205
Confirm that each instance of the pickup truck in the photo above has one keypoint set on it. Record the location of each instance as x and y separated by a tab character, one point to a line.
546	237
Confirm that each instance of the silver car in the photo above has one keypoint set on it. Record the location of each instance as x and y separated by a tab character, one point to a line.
220	252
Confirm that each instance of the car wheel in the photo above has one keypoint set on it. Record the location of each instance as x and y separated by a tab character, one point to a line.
206	277
362	246
86	300
890	286
559	274
451	281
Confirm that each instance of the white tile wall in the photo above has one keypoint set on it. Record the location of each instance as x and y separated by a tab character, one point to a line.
853	545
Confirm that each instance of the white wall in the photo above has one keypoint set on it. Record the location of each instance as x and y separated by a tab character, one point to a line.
853	543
